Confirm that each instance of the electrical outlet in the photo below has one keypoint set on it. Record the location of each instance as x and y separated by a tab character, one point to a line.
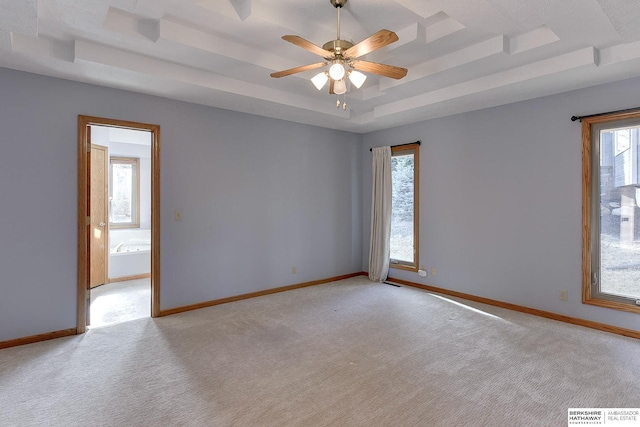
564	295
178	215
294	270
434	272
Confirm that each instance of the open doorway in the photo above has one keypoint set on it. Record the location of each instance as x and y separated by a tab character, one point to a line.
118	234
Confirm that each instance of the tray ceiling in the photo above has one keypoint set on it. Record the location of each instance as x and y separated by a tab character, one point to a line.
461	55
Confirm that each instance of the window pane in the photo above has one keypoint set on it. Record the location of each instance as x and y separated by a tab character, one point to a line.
122	196
619	213
402	208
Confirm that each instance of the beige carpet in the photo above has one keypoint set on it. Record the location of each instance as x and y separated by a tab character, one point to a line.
349	353
120	302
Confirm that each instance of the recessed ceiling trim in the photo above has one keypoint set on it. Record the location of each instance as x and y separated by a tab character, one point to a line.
421	8
242	7
467	55
91	52
533	39
441	29
581	58
39	47
182	34
413	33
618	54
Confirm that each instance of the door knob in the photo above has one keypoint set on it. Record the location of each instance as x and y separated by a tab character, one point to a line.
102	224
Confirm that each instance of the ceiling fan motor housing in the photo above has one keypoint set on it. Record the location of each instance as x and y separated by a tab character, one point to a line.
337	46
341	53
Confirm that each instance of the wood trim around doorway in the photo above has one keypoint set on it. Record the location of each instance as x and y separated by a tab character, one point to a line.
83	192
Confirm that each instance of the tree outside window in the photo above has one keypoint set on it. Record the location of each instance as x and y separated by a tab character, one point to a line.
404	204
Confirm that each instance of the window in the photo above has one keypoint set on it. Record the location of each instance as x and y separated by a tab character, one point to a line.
404	207
611	211
124	192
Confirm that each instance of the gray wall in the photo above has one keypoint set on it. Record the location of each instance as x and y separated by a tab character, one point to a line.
500	200
258	196
500	206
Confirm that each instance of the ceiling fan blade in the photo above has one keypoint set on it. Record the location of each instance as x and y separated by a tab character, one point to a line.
371	43
297	69
380	69
306	44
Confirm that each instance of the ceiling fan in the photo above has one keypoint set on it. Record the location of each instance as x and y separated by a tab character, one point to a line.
343	57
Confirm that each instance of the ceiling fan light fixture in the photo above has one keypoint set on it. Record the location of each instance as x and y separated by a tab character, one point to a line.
357	78
320	79
336	71
338	54
340	87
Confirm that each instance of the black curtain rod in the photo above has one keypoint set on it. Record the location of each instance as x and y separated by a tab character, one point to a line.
629	110
402	145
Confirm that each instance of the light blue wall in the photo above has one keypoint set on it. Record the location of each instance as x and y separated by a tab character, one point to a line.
258	196
500	200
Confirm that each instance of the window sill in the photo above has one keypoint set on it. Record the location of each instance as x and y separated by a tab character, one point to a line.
600	302
403	267
121	226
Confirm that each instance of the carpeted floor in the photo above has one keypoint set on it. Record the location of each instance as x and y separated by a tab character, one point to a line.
348	353
120	302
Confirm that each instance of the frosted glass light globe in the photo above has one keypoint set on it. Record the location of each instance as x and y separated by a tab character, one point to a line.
357	78
319	80
336	71
339	87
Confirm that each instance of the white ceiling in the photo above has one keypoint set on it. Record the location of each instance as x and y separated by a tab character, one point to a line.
461	54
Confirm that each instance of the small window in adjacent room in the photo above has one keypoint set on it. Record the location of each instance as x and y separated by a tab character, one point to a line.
404	207
124	192
611	211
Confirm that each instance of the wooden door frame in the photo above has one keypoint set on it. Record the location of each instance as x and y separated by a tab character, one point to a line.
83	188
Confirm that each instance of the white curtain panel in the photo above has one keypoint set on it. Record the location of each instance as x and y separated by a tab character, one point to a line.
380	214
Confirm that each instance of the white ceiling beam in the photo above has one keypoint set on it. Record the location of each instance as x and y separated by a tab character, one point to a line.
539	37
422	8
493	46
620	53
581	21
149	28
39	47
242	8
580	58
95	53
475	15
442	28
188	36
413	33
167	30
126	23
268	12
